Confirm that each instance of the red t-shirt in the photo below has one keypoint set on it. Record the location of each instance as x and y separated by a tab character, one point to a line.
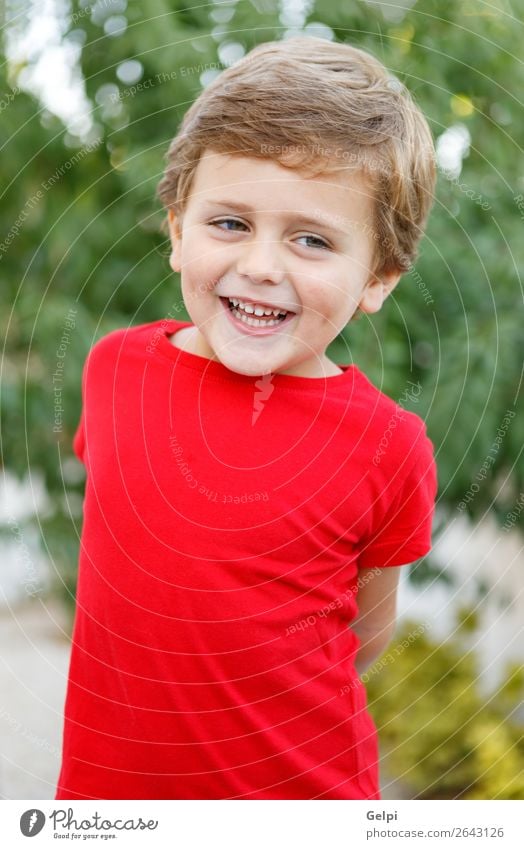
226	518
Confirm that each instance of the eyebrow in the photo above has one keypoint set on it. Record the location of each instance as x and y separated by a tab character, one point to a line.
327	224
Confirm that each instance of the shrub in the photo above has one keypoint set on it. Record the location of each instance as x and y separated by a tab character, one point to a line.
437	733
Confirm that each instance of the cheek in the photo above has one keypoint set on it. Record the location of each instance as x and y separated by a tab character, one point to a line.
203	265
325	299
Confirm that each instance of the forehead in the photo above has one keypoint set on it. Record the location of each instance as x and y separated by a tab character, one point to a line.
266	184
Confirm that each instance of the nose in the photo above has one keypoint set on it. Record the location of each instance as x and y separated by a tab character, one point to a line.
261	261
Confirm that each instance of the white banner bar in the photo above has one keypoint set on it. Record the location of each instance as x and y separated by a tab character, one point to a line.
275	824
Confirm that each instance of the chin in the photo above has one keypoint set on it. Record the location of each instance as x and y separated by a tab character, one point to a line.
241	365
256	371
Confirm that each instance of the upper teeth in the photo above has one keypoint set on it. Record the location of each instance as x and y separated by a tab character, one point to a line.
256	309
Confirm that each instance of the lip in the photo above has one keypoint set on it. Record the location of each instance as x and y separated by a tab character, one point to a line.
246	328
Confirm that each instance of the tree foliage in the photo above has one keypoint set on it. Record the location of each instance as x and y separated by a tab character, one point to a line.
81	226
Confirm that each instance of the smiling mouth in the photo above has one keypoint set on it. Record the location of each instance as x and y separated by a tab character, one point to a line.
256	314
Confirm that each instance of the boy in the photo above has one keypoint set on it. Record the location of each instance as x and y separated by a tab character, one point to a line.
243	491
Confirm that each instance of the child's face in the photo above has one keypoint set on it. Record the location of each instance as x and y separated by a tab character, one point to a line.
243	237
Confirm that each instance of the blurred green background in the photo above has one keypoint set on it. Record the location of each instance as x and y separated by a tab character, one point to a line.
80	236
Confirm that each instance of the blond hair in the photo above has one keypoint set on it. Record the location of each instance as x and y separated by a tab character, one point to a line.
314	104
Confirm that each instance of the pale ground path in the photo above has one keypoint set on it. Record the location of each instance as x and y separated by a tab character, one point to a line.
33	674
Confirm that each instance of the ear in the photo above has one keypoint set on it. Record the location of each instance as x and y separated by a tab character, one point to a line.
175	234
377	289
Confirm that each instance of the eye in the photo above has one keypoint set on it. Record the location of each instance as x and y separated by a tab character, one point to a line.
320	242
220	221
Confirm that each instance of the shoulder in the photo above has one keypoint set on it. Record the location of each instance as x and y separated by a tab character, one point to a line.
123	341
397	435
385	408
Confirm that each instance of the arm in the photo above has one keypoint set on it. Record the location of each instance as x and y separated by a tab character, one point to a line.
375	623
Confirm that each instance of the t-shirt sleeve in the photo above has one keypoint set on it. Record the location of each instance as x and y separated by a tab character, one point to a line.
79	439
79	436
405	532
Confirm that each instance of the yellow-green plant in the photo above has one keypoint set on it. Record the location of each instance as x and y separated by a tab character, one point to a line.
439	735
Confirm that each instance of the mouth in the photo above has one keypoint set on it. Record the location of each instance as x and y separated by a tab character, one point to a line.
256	317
